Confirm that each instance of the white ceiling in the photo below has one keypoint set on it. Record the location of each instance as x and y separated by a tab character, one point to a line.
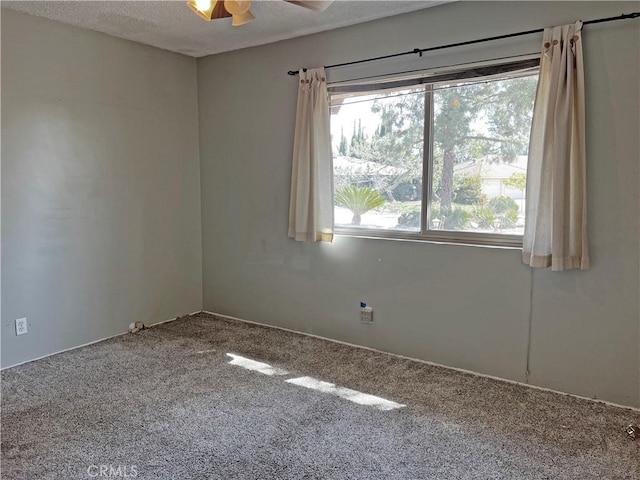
171	25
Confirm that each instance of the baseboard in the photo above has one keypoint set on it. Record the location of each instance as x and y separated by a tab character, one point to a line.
94	341
426	362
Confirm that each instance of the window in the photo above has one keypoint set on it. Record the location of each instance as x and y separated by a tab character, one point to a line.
439	158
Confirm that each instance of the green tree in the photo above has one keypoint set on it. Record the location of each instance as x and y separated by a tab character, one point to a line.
343	148
359	200
468	190
399	139
505	108
470	122
360	143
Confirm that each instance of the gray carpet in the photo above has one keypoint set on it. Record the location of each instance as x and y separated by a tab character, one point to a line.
167	402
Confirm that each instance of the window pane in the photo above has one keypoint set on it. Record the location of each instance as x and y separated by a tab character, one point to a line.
378	142
480	146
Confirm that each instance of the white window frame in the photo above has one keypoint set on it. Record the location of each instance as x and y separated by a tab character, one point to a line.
427	234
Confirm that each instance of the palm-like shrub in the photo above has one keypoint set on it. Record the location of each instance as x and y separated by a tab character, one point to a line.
359	200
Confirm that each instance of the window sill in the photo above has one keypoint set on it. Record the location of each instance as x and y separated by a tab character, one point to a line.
509	242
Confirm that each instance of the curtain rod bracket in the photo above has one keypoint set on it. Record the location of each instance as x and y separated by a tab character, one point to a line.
295	72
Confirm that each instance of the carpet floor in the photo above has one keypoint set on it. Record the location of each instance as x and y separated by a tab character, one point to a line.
171	403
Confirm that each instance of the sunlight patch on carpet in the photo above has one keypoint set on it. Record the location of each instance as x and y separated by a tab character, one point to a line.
346	393
249	364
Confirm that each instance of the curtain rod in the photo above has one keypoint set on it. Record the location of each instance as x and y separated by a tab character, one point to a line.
420	51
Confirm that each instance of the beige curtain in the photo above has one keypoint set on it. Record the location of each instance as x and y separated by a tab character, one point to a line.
555	232
311	206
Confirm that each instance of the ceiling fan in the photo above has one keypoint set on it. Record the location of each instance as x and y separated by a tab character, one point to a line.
240	10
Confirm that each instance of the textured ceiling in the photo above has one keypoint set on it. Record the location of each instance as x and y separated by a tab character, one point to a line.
172	26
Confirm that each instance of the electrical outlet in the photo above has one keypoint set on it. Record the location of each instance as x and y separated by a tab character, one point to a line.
366	315
21	326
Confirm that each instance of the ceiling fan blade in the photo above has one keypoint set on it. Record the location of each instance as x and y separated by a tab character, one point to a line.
237	7
317	5
242	18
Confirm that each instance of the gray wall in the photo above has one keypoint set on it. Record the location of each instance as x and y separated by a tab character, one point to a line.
461	306
100	186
